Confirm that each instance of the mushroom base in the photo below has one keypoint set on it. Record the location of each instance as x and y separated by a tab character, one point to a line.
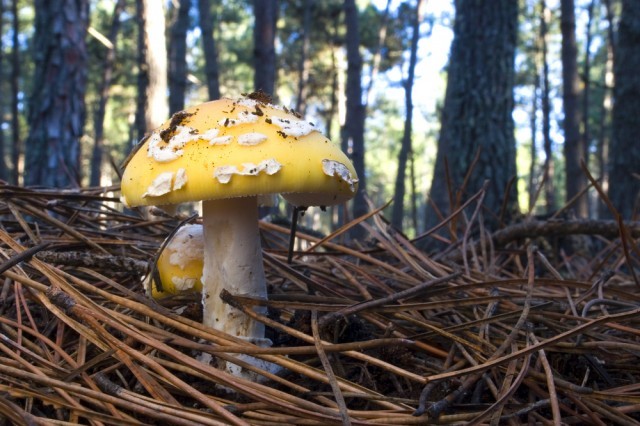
232	261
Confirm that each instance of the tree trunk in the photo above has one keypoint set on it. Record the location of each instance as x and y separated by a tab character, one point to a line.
156	107
303	64
397	213
57	106
377	54
533	124
477	120
548	169
178	57
574	145
624	156
105	86
15	92
4	170
142	79
604	122
264	52
586	73
212	72
353	132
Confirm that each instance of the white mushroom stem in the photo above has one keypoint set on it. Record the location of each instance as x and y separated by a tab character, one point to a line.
232	261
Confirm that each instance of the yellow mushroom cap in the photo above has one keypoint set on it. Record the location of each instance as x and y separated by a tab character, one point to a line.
180	263
235	148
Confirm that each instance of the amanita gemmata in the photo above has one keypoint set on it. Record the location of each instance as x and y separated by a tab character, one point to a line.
227	153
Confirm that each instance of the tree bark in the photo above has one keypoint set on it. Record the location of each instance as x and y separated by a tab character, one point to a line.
178	57
57	105
533	124
477	122
15	92
574	144
377	54
586	73
264	52
353	132
4	169
548	169
624	156
105	86
397	213
604	121
156	107
212	72
142	78
303	65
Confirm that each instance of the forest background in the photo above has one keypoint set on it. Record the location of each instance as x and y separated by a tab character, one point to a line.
436	102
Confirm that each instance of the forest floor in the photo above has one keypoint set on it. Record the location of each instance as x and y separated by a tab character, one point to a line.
491	329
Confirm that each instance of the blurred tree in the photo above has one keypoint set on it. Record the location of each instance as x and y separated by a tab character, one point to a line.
304	63
605	106
15	89
209	48
4	169
477	133
105	85
398	214
264	50
353	132
574	144
56	106
152	107
624	157
178	56
548	169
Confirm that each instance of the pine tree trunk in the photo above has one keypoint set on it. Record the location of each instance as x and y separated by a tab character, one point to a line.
604	123
4	169
397	214
377	54
57	106
548	169
156	106
574	144
15	92
142	78
624	156
533	124
105	86
586	73
264	52
353	132
212	72
477	117
303	63
178	57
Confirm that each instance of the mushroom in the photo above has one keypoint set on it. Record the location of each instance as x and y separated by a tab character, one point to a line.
227	153
179	264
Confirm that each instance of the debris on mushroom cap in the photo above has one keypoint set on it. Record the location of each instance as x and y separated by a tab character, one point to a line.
183	284
291	127
180	180
244	117
335	168
220	140
224	173
253	138
160	185
168	150
165	183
